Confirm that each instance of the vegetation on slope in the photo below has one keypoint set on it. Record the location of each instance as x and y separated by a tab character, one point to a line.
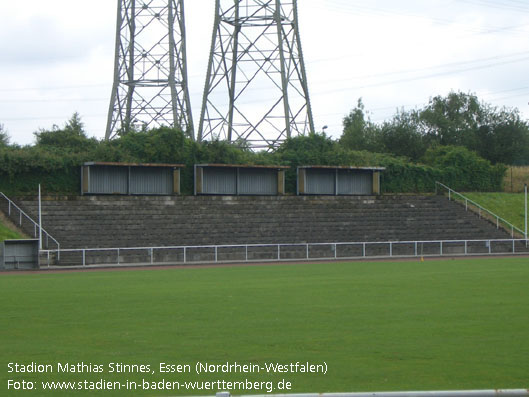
509	206
7	233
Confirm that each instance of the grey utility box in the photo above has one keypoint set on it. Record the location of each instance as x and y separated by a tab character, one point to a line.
19	254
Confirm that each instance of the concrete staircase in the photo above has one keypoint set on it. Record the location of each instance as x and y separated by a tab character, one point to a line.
115	221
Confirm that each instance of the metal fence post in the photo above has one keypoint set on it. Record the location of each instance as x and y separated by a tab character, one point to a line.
307	251
118	256
278	252
84	258
335	249
525	188
152	256
185	254
216	254
364	250
441	247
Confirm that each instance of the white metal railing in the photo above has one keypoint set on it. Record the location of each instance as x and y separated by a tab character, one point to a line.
454	393
452	193
282	252
11	206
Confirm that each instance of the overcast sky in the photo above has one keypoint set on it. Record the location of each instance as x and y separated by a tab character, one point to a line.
56	57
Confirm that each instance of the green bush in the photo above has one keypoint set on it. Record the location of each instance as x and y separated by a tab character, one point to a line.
465	170
55	161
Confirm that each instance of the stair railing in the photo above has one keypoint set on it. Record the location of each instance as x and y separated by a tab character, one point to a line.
452	194
12	207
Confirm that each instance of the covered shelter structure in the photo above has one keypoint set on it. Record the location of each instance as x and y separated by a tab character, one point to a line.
99	178
339	180
239	180
19	254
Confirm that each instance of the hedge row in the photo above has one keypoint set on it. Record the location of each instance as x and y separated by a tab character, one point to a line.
57	168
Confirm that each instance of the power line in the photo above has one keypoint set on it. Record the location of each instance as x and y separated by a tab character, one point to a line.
53	100
426	76
52	88
481	62
371	10
497	5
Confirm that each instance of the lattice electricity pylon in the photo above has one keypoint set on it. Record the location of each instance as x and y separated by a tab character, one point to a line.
256	86
150	76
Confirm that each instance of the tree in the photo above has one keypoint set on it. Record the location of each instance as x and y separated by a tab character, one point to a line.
459	119
453	120
359	132
401	136
496	134
71	137
4	137
504	138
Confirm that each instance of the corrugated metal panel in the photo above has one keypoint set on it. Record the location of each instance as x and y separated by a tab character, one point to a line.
219	181
320	181
21	254
355	182
151	180
258	181
108	180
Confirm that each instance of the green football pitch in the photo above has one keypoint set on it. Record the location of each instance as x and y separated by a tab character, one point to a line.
331	327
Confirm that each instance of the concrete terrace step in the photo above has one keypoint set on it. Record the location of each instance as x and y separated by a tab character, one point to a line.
112	221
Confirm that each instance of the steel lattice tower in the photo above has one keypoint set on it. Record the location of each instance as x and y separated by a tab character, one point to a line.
150	76
256	86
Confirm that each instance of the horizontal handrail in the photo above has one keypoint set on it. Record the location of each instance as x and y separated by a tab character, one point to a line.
394	242
481	208
279	252
26	216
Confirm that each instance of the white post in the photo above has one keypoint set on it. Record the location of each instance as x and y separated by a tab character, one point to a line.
40	220
526	212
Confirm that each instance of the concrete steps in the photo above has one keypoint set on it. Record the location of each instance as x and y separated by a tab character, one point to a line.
113	221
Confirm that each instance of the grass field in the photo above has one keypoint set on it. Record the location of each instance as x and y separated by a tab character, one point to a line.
7	233
510	206
451	324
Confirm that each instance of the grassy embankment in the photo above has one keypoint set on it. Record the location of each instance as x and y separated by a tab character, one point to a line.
509	206
7	233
